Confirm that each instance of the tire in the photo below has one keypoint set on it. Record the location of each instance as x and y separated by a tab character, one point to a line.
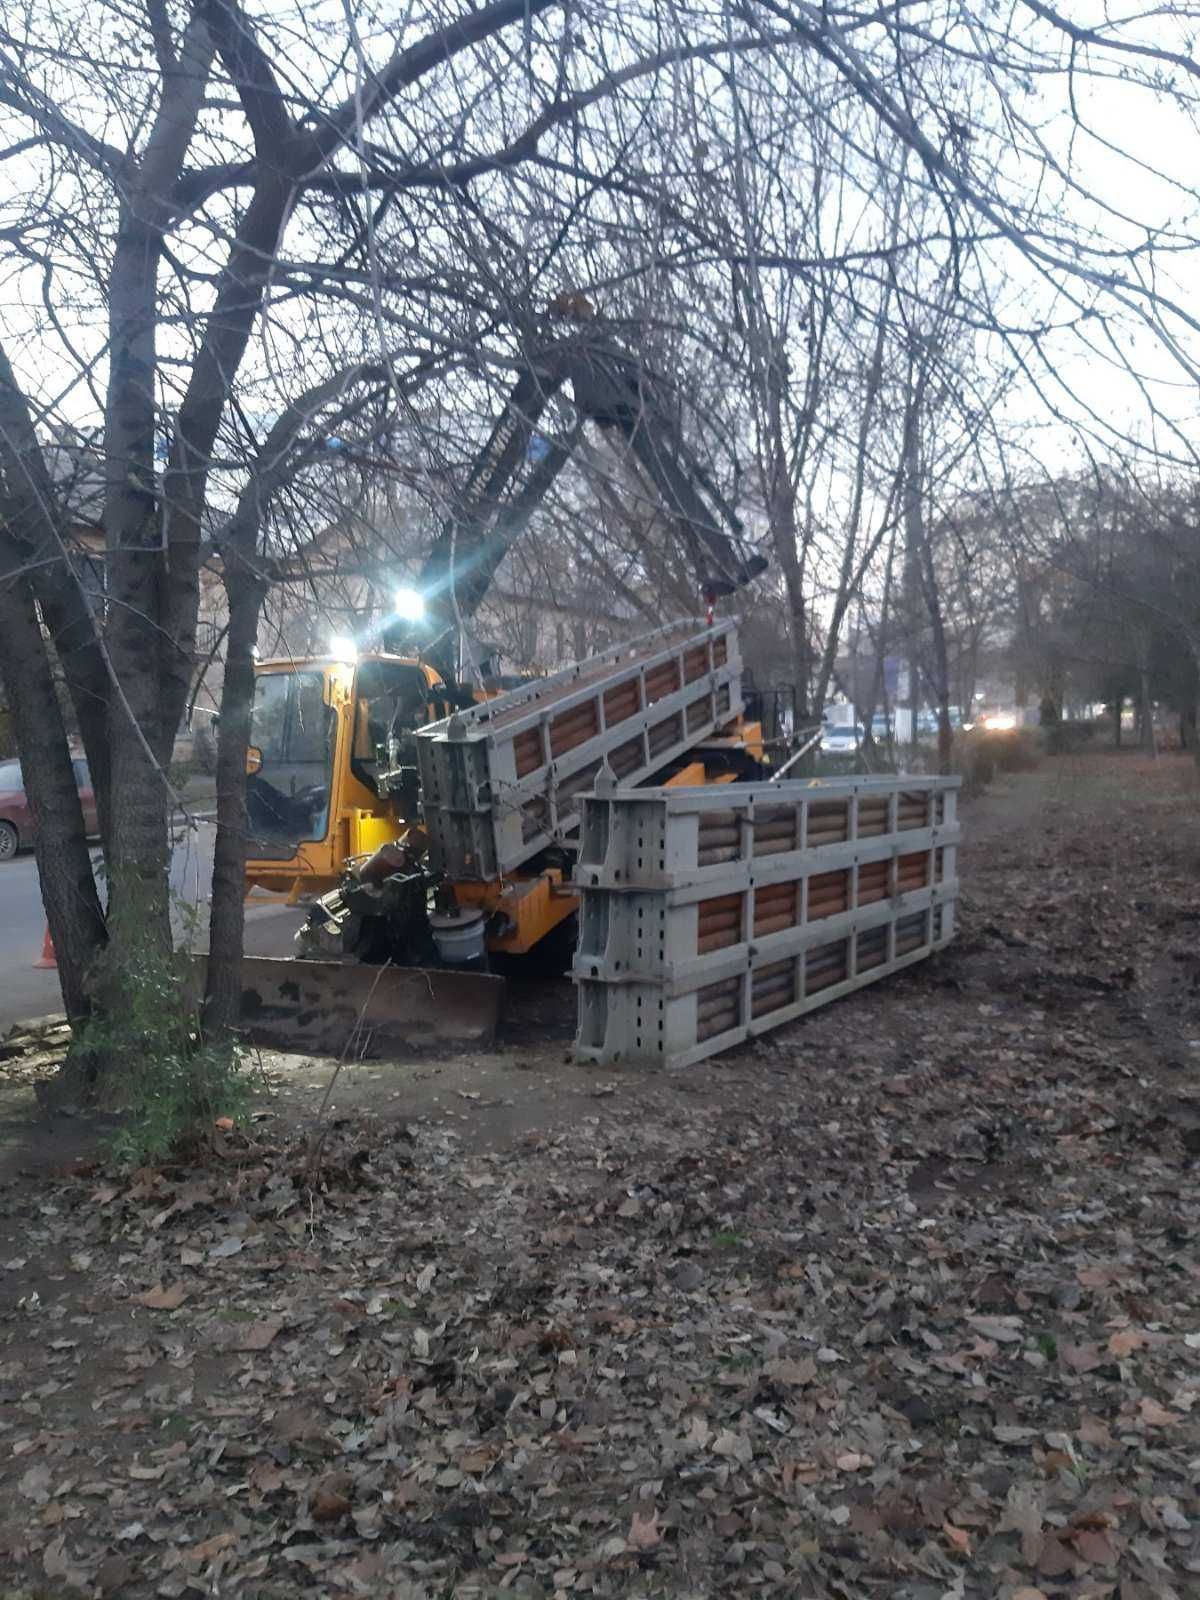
9	842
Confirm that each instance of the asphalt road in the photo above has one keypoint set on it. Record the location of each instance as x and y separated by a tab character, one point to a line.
28	992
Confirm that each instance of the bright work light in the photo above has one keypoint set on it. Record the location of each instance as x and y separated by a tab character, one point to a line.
343	648
410	605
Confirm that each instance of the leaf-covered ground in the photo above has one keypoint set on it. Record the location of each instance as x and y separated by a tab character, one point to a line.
902	1301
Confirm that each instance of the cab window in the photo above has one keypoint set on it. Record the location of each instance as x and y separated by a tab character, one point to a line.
287	799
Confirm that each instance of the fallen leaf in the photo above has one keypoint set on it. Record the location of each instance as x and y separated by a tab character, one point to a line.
1004	1330
256	1335
1100	1277
1094	1431
1156	1416
643	1532
160	1299
1095	1547
266	1478
797	1373
1010	1433
852	1461
201	1554
959	1538
698	1432
1029	1594
775	1420
737	1445
299	1425
55	1561
35	1484
114	1574
227	1247
1056	1558
1023	1515
1081	1357
1126	1341
331	1498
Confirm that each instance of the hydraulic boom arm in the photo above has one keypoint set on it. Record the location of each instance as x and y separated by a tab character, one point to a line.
513	474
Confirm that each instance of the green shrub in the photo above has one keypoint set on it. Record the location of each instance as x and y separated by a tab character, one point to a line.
168	1084
983	752
973	759
1063	737
1017	750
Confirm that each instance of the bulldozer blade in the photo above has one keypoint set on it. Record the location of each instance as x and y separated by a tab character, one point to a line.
335	1008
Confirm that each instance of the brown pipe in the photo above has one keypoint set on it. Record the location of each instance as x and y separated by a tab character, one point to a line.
719	819
724	1015
767	984
564	726
777	891
786	915
718	836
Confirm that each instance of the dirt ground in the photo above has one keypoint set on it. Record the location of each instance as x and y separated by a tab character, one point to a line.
902	1300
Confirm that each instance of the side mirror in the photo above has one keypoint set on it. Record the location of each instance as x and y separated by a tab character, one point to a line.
254	760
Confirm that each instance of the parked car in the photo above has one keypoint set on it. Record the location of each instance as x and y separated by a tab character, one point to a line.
16	819
842	741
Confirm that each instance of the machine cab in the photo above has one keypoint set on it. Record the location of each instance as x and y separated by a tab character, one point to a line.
331	765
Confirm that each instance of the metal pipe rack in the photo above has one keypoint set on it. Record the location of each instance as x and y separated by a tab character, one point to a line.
711	915
505	779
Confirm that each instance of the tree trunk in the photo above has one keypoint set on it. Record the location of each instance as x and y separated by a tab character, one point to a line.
913	577
1145	703
226	939
34	516
134	530
804	711
933	604
1189	738
77	645
68	884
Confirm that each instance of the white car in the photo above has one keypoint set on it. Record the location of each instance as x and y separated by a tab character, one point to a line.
842	741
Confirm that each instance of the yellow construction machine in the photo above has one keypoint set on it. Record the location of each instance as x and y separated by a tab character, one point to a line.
320	738
431	822
334	790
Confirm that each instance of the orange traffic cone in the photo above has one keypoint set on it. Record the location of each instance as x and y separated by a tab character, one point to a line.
47	957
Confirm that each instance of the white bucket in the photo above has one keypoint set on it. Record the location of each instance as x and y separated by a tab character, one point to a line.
458	935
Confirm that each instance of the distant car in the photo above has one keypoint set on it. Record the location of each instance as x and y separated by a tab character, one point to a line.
881	727
16	819
842	741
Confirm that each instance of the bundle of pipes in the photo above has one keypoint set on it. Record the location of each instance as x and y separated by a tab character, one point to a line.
708	917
